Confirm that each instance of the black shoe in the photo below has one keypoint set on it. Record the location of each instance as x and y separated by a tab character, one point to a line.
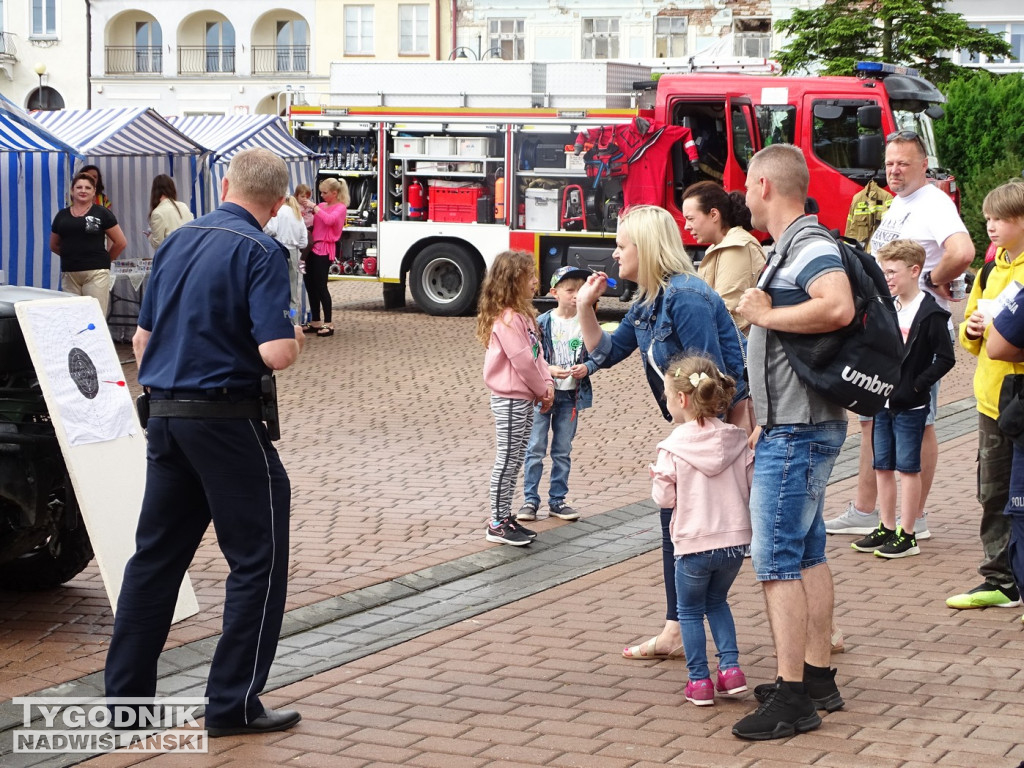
270	721
873	540
514	522
627	296
781	714
900	544
506	532
823	691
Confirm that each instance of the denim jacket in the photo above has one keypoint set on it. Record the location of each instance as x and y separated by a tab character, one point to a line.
584	389
687	316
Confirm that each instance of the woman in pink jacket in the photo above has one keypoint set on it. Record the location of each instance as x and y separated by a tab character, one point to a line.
703	475
328	222
517	375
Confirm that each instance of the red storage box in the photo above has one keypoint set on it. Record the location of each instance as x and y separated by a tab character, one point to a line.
453	203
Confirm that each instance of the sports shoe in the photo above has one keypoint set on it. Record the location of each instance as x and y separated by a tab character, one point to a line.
873	540
731	681
527	512
506	532
900	544
700	692
782	713
823	691
986	595
562	510
852	522
921	531
520	527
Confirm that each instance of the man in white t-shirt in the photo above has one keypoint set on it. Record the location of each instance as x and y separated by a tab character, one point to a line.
925	214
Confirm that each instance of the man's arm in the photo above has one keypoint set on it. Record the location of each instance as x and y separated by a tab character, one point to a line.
280	353
829	308
139	342
957	255
998	348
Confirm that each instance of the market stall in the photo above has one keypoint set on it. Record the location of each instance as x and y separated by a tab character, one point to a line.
35	174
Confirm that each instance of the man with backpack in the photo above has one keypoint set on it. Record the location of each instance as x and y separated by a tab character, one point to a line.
802	433
925	214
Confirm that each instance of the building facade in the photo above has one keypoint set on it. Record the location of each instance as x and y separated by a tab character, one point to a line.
1001	17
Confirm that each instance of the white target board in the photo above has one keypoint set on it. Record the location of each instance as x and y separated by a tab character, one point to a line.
97	427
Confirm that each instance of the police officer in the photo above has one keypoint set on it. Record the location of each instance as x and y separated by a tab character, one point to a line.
214	322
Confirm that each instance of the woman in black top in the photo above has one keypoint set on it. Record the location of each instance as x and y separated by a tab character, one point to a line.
79	235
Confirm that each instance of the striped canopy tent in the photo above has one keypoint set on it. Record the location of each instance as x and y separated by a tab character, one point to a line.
130	146
35	175
227	135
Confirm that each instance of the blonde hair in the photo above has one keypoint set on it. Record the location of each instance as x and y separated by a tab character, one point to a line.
258	175
906	252
503	289
713	392
1005	202
292	203
785	167
659	249
337	185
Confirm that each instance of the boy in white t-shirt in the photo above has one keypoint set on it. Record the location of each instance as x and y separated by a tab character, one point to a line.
899	427
571	367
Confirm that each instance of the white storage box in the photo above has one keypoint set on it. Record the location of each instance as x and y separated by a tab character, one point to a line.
542	210
574	162
473	147
441	146
408	145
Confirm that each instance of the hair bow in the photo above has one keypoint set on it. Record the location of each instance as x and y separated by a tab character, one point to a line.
695	379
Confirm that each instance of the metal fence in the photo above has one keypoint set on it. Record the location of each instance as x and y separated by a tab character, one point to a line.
271	59
134	60
206	60
7	47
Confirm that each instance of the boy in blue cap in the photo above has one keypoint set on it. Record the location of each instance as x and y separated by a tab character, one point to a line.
571	367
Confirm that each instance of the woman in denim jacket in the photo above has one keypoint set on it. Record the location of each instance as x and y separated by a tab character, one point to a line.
674	312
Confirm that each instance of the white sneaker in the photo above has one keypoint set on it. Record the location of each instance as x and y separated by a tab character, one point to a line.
921	531
852	522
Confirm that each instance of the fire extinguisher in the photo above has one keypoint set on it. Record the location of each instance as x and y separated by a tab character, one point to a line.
417	201
499	196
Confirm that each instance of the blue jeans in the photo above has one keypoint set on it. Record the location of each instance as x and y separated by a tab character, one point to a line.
792	464
703	580
897	440
561	420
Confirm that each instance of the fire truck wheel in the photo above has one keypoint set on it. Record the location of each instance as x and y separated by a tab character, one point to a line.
445	280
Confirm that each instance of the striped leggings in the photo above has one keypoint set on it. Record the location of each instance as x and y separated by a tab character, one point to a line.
513	421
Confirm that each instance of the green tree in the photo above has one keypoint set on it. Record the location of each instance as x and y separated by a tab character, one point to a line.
918	33
981	139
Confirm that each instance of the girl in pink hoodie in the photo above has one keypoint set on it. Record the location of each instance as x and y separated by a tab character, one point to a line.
517	375
703	475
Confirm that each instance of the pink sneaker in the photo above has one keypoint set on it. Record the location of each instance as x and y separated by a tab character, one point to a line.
700	692
731	681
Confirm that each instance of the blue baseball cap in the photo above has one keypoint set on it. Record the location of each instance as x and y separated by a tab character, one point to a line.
563	272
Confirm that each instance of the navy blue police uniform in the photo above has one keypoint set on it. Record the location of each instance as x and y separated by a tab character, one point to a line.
218	289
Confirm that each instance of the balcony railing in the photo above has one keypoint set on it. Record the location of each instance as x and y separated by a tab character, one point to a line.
206	60
271	59
134	60
7	48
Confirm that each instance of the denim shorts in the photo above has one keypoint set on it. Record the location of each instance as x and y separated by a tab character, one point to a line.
933	409
792	464
897	440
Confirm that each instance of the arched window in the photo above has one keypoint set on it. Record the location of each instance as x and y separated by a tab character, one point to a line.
148	47
292	46
220	46
45	98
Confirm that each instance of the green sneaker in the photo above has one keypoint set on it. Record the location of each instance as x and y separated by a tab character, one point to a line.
873	540
986	595
900	544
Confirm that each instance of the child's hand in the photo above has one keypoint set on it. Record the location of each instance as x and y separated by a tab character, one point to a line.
578	371
558	372
976	324
548	400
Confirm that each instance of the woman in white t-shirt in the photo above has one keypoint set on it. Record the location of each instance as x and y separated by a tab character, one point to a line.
289	230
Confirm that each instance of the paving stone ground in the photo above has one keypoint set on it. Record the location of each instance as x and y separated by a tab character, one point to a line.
388	442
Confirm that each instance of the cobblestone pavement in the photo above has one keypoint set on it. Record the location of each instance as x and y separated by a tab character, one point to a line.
411	641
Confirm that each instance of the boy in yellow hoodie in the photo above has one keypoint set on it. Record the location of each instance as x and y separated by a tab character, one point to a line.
1000	282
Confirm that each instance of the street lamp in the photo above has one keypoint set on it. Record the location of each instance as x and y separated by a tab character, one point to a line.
40	69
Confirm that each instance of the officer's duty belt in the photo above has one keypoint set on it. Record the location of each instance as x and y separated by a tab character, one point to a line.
206	409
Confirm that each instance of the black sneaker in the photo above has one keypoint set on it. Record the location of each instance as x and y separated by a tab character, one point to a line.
781	714
514	522
562	510
873	540
823	691
900	544
527	512
506	532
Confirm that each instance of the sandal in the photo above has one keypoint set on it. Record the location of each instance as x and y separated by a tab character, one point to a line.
325	330
646	652
309	328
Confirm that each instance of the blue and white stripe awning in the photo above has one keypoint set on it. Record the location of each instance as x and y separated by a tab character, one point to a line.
124	131
227	135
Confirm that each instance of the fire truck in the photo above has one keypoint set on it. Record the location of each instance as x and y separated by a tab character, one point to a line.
509	155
